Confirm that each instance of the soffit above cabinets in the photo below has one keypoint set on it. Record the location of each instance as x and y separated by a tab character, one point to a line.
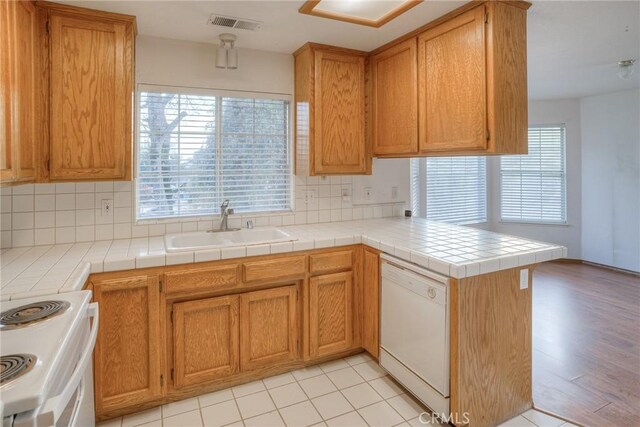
369	13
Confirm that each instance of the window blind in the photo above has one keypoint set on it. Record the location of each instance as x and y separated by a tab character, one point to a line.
450	189
197	149
456	189
533	186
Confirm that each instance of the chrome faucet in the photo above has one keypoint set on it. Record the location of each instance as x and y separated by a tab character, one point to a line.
225	211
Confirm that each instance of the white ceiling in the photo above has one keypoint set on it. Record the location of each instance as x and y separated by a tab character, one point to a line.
283	29
573	46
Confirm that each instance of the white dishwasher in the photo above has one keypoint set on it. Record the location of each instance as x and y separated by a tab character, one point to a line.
414	330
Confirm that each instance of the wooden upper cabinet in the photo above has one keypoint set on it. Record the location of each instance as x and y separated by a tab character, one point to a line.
468	95
330	111
394	101
127	365
91	95
205	336
19	44
7	171
269	327
330	314
452	85
472	83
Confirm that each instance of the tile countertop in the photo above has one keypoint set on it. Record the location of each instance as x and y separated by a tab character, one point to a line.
452	250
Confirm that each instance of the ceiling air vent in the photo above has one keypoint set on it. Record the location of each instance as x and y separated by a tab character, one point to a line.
231	22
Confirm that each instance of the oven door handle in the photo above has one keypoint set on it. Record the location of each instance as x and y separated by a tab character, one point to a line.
53	408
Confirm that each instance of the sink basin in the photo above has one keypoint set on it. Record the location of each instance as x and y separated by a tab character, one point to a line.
203	240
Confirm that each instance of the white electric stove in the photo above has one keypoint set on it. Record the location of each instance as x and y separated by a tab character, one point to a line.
46	346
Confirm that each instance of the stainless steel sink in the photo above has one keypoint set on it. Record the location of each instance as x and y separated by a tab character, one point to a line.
206	240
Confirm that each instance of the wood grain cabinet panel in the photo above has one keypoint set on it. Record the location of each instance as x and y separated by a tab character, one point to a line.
91	97
205	335
268	327
330	111
7	87
273	269
330	262
201	279
371	302
339	114
18	66
394	87
453	85
330	313
127	355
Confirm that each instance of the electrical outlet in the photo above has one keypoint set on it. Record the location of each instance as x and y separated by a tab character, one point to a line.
394	193
309	197
368	193
107	207
524	279
346	197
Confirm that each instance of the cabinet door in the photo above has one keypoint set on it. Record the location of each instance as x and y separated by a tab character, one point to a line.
205	336
25	120
395	99
371	302
7	86
339	136
330	313
453	85
91	96
268	327
127	354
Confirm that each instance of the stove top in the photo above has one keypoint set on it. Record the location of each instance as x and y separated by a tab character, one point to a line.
29	314
13	366
53	332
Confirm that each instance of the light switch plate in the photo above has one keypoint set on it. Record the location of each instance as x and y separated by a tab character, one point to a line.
524	278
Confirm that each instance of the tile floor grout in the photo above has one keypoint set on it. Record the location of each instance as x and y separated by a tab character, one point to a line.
297	380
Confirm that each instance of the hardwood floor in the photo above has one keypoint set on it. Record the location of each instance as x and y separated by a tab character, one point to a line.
586	344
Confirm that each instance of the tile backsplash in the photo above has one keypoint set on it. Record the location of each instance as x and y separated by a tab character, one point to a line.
44	214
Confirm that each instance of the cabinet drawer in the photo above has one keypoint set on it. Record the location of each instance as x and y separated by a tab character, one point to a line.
331	261
201	279
274	268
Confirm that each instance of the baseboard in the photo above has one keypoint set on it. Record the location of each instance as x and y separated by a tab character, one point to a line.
595	264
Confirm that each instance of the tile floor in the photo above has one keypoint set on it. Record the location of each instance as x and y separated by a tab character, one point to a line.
348	392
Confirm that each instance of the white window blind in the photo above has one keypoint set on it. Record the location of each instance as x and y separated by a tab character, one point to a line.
533	186
450	189
197	149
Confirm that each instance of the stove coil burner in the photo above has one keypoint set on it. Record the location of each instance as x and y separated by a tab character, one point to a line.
29	314
14	366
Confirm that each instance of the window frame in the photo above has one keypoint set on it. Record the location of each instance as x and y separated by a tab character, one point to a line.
191	90
422	185
563	223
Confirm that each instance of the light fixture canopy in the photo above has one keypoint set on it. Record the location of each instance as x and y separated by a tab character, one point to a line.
226	53
625	68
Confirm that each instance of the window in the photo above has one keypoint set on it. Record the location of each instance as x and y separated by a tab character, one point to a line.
533	186
450	189
197	148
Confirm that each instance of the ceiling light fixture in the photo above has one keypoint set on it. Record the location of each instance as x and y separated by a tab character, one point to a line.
625	68
370	13
227	54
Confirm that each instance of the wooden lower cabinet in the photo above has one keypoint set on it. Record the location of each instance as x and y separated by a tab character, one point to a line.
205	336
127	354
330	313
269	327
169	333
